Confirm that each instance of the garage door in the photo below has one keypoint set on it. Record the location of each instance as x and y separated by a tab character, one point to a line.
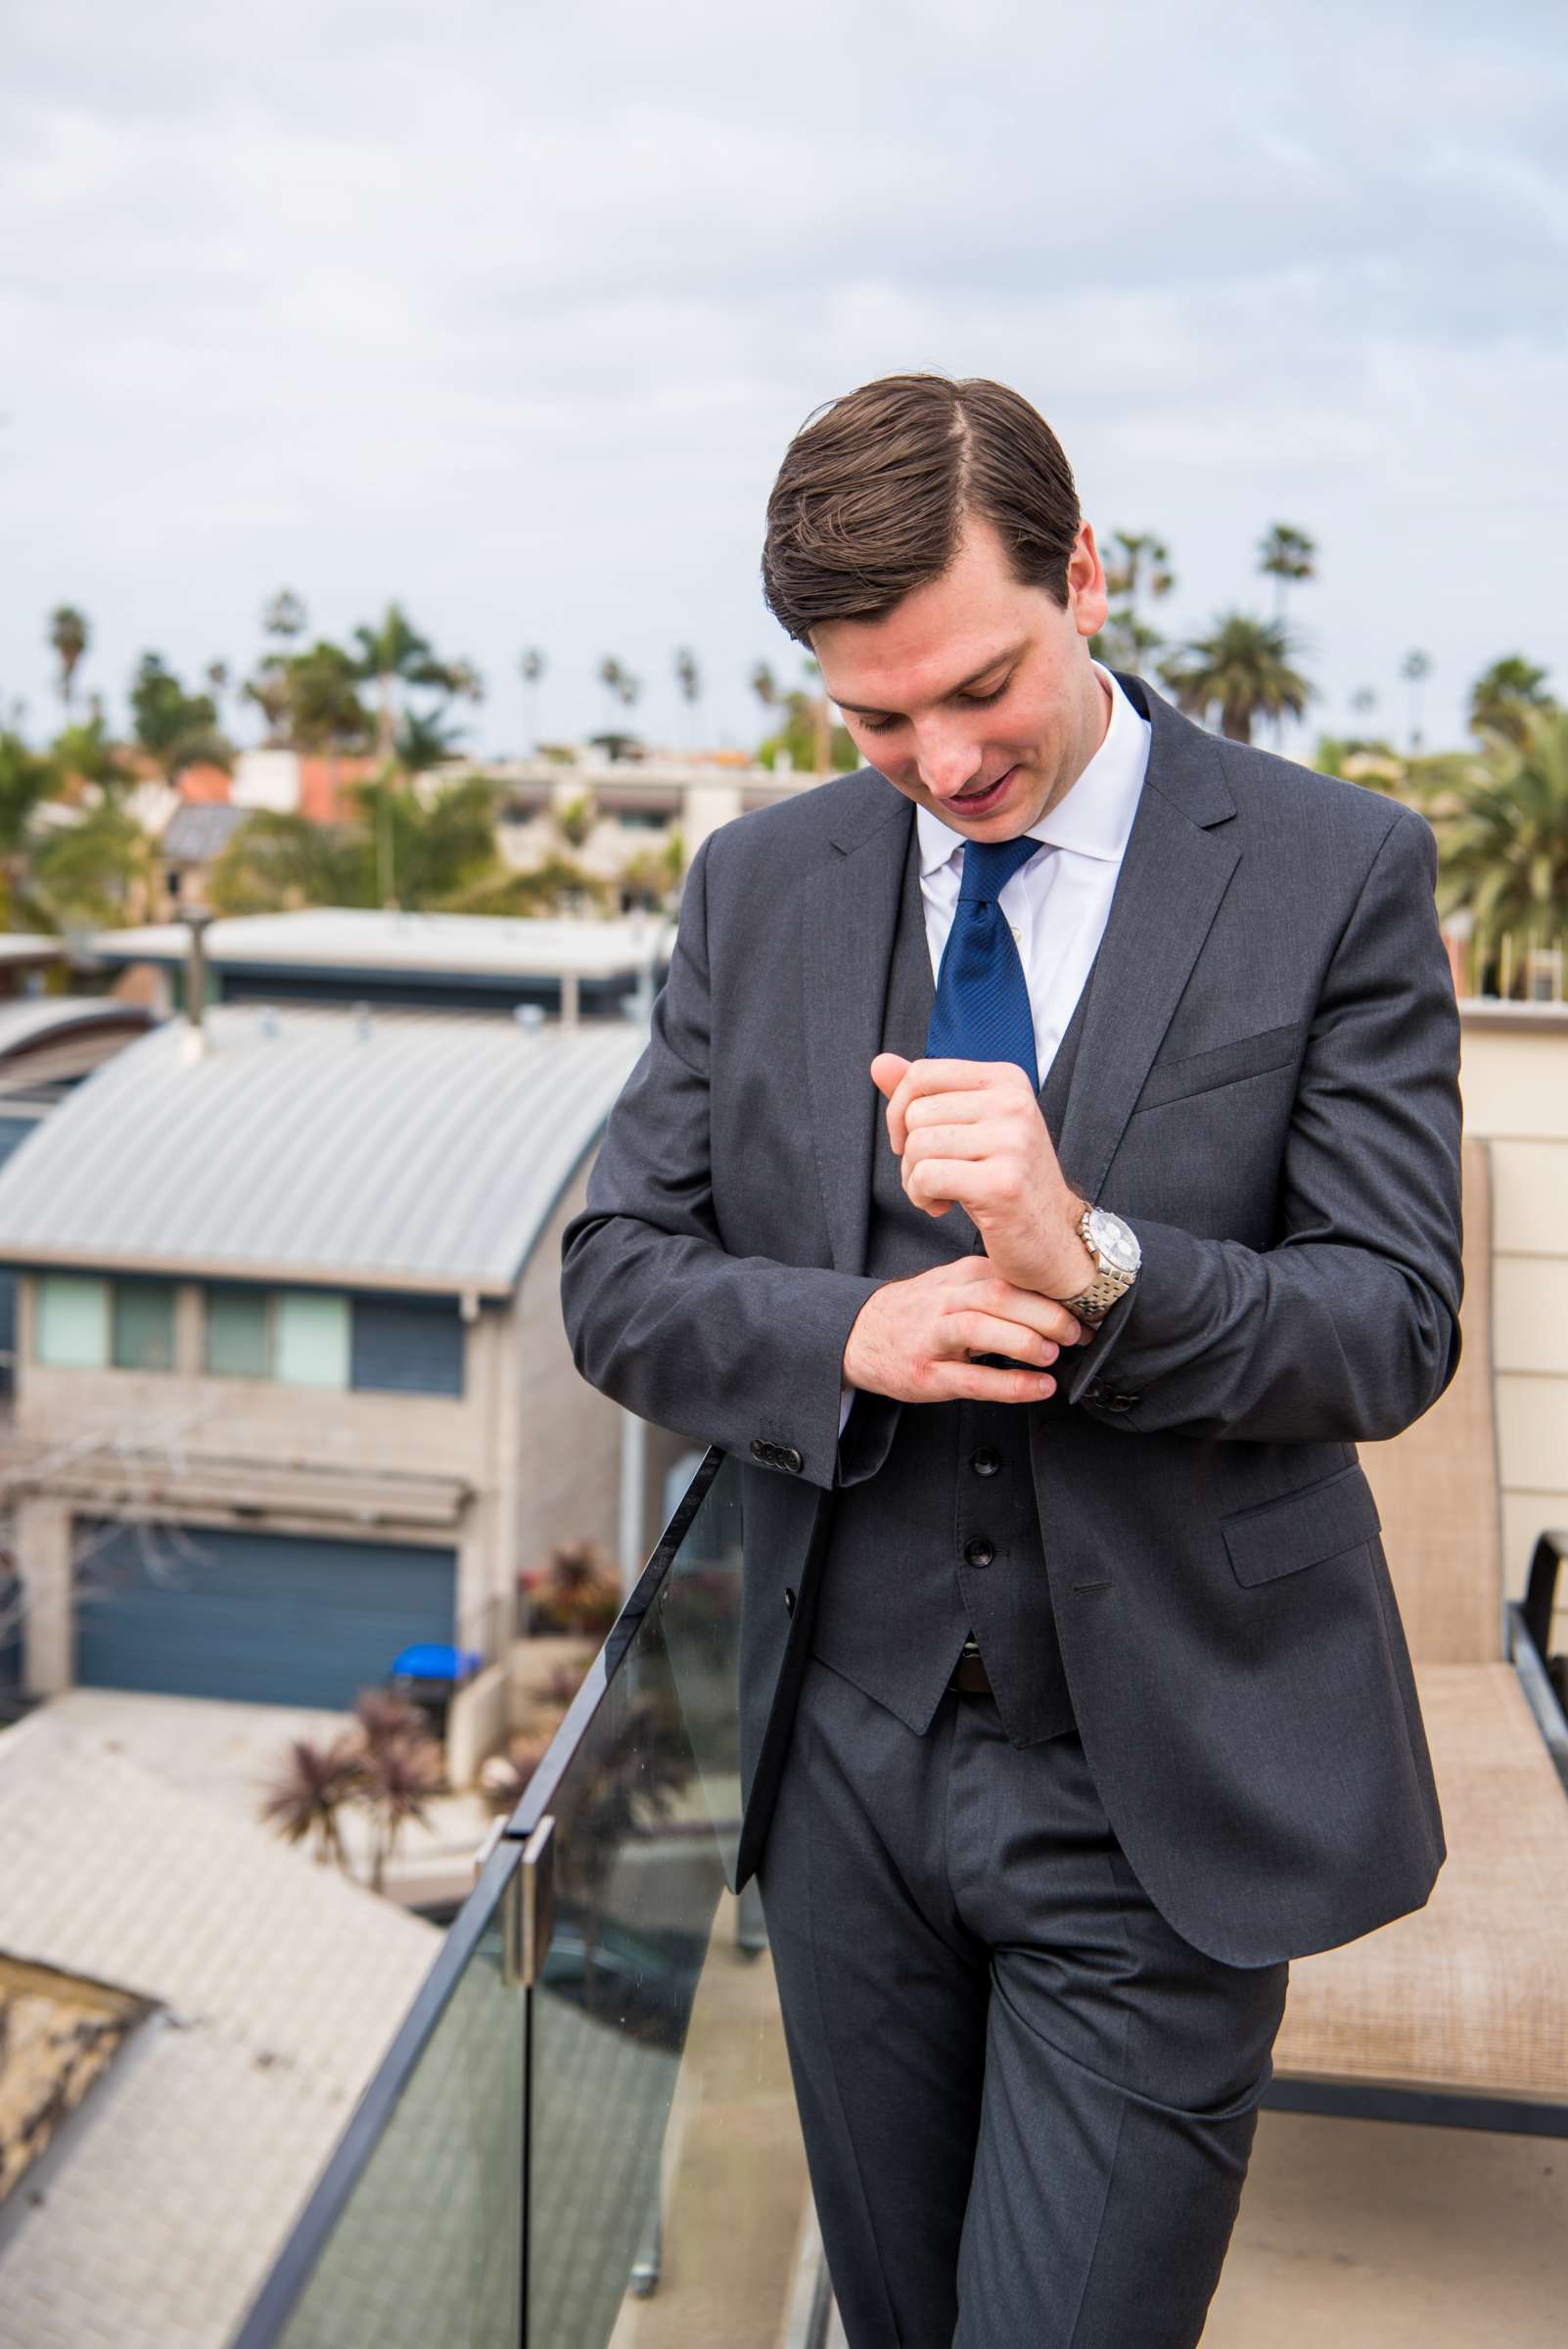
265	1618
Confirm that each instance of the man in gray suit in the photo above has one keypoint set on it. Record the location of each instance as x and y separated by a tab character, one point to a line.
1042	1172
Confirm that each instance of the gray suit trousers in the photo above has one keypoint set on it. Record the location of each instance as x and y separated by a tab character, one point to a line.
1028	2103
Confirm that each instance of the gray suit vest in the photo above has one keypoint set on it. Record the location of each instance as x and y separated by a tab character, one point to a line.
946	1537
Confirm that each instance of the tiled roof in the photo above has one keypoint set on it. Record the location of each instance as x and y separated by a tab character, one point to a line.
277	1985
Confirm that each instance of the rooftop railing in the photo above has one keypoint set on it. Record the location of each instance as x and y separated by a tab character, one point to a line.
585	2129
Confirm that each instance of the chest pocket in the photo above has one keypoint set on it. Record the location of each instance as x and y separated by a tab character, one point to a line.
1176	1080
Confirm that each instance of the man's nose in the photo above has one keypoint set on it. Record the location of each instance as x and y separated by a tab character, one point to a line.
946	759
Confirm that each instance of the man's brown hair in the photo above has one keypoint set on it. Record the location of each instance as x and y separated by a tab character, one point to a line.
871	497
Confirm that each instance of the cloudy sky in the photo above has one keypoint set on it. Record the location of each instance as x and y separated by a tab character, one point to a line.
509	311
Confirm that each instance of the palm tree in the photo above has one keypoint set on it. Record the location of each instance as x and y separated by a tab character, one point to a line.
70	636
1415	668
612	677
1504	695
394	653
1505	845
400	1767
765	684
533	666
309	1790
1242	670
689	677
1286	553
284	616
1142	566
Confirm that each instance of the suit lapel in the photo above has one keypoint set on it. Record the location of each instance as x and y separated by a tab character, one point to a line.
1179	858
849	913
1177	867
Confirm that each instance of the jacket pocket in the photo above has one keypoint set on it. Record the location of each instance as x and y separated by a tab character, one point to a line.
1302	1529
1225	1064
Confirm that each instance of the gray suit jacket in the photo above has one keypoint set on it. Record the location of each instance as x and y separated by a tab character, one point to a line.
1267	1090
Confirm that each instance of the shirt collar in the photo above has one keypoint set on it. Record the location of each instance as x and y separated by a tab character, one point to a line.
1097	814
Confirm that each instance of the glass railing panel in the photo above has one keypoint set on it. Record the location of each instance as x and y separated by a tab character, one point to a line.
610	2155
414	2234
667	2186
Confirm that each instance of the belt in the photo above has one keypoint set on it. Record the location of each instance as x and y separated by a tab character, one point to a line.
969	1674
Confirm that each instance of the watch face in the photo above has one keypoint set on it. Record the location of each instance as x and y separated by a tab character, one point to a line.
1113	1240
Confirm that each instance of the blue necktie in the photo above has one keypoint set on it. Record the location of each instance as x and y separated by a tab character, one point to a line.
982	1009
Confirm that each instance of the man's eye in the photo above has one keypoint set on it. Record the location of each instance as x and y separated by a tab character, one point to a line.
971	701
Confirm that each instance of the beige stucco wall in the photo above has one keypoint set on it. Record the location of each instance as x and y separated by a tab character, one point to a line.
1515	1085
568	1434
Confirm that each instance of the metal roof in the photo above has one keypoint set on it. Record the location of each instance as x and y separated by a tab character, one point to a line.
405	1150
33	945
26	1018
201	829
365	938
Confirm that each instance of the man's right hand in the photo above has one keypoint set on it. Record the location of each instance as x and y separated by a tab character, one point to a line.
913	1339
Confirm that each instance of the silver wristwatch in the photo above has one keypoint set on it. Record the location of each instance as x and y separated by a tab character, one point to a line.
1117	1255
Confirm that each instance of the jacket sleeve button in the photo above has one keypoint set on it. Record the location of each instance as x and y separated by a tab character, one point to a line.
790	1459
759	1450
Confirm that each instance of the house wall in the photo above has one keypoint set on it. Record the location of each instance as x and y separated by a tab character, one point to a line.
568	1435
538	1447
1515	1084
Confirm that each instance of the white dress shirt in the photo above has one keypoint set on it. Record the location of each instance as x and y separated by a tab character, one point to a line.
1057	904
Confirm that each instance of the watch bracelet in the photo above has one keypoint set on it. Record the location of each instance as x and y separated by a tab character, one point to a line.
1091	1305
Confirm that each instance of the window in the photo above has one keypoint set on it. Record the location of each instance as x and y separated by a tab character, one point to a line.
408	1345
72	1321
143	1324
89	1323
310	1339
238	1339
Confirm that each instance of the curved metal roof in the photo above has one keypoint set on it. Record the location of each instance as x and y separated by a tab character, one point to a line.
403	1151
23	1018
369	938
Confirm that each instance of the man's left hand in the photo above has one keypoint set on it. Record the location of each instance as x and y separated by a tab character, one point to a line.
970	1134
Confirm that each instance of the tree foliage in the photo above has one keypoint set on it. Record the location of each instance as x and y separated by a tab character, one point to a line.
311	700
69	637
1287	556
1504	844
89	874
1503	696
1241	672
1140	566
175	727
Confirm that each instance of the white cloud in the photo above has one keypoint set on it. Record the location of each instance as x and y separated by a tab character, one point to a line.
509	312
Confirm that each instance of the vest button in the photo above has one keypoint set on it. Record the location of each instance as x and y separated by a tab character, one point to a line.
979	1551
986	1461
789	1602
